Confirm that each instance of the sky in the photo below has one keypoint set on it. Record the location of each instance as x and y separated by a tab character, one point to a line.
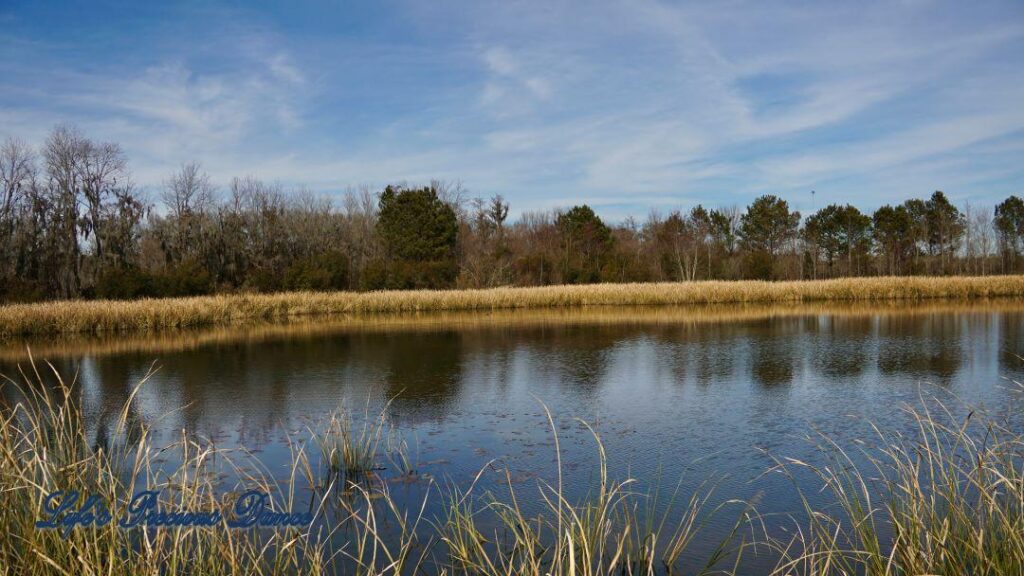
629	106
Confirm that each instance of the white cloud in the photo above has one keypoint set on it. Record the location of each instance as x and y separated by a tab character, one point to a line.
283	68
892	150
170	113
511	89
613	101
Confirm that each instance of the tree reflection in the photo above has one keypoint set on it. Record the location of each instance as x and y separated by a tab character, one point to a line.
773	350
924	345
840	345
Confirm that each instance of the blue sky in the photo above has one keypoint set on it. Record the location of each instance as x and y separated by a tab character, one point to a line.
630	106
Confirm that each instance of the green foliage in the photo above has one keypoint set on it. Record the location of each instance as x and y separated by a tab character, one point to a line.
19	290
945	223
327	271
374	276
185	279
894	232
758	265
265	280
409	275
419	233
415	224
1009	218
188	278
722	229
839	231
1009	224
768	224
586	243
123	284
765	228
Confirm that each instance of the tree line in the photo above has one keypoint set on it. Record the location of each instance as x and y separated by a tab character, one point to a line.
73	225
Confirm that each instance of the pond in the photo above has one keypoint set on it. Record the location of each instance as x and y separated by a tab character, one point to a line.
681	397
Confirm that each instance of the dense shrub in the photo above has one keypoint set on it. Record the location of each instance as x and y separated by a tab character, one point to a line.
327	271
123	284
758	266
264	280
18	290
186	279
405	275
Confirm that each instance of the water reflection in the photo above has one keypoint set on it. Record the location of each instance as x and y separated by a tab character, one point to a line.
675	393
929	345
841	347
252	388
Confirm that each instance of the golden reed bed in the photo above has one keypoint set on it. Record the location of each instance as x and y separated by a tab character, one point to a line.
173	313
52	346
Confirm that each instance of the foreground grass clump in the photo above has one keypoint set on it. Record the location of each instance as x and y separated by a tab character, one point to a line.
350	448
945	498
150	315
615	530
45	447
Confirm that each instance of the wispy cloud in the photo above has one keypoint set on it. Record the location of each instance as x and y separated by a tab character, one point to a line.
626	105
510	88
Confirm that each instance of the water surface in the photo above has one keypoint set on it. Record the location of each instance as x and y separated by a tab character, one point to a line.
679	396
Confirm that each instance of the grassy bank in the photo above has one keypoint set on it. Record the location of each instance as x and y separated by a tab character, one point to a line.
153	315
173	340
944	500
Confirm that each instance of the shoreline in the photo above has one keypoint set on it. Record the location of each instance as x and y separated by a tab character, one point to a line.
154	315
96	344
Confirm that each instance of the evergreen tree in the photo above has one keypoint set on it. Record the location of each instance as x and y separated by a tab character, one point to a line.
419	234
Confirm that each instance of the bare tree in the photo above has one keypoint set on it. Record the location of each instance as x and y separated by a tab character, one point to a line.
188	191
979	239
360	211
17	170
482	245
103	168
64	154
17	178
121	228
189	197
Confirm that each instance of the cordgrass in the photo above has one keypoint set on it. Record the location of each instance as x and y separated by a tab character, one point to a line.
65	317
45	446
352	448
173	340
946	498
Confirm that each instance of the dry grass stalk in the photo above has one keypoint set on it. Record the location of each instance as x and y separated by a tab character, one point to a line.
158	314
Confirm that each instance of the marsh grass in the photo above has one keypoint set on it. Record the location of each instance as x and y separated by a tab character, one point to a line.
45	446
149	315
401	457
614	529
182	340
947	498
944	498
353	448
